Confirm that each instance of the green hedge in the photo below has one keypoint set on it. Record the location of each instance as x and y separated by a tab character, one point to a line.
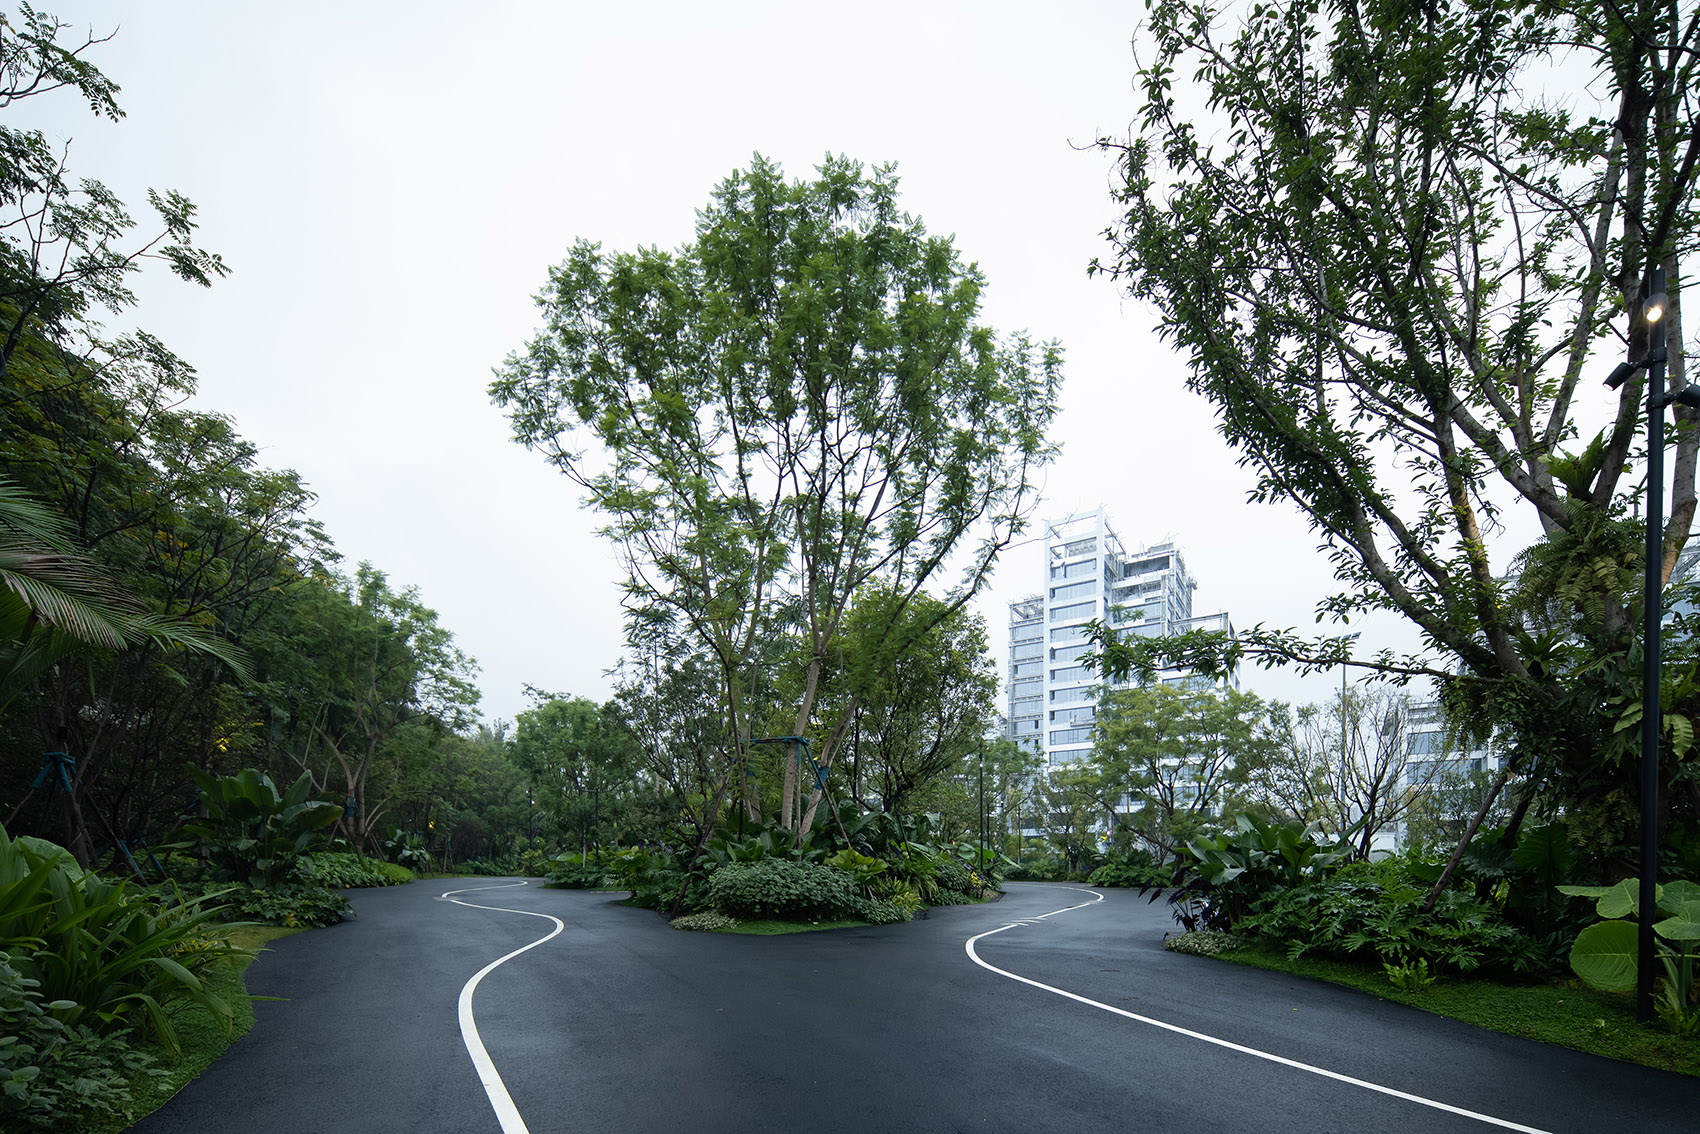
784	888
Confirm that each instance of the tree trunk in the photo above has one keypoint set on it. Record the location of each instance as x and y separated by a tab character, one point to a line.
1469	833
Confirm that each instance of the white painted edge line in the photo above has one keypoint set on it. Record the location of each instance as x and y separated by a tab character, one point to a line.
500	1101
1231	1046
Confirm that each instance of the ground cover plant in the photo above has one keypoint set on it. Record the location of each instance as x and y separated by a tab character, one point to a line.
1507	922
95	976
1568	1013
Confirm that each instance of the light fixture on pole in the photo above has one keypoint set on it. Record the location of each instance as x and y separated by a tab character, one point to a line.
1655	301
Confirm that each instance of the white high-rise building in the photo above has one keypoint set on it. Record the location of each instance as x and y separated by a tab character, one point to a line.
1089	573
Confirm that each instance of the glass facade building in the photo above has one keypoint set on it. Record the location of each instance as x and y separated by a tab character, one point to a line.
1088	574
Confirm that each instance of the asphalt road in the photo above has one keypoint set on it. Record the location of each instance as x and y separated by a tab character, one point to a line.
620	1023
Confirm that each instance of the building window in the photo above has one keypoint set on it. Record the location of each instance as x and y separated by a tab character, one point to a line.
1072	611
1070	673
1074	570
1027	650
1068	633
1080	547
1074	590
1070	735
1067	654
1027	669
1078	693
1065	716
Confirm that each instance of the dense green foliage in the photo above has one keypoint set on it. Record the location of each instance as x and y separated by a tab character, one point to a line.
252	832
791	418
1606	955
55	1075
1394	286
108	955
350	871
152	568
783	888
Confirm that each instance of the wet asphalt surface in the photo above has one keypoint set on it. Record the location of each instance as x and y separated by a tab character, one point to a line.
622	1023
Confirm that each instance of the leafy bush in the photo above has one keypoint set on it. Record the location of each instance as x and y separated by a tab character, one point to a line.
708	921
784	888
1223	879
55	1075
572	872
1371	912
951	898
101	954
1201	942
1135	868
1607	954
409	850
253	833
954	876
350	871
1040	869
877	912
291	905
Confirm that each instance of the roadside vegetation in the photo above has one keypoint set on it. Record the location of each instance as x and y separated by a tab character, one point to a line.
1509	939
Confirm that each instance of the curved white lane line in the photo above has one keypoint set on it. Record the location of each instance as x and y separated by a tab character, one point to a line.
1231	1046
500	1101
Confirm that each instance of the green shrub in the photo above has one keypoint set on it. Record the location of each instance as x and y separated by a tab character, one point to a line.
254	833
877	912
953	875
349	871
102	954
572	871
951	898
408	849
1223	879
1135	868
291	905
1372	913
784	888
55	1076
1201	942
708	921
1040	869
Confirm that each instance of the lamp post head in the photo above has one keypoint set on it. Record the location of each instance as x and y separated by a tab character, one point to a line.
1658	299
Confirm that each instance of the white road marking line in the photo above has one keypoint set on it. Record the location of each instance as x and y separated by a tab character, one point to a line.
1231	1046
500	1101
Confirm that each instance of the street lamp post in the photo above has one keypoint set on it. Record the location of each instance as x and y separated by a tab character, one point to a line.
981	856
1655	300
1344	743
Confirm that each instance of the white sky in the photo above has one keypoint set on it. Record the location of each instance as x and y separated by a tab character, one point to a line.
390	181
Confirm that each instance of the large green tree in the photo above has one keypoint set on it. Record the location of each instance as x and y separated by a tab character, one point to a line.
795	405
1397	266
583	765
1166	758
922	711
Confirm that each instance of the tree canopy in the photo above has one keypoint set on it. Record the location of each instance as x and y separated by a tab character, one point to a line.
795	406
1393	263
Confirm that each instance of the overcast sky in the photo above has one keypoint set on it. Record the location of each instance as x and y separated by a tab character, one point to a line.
390	182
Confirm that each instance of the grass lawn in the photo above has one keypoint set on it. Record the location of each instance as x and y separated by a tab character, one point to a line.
202	1038
1576	1017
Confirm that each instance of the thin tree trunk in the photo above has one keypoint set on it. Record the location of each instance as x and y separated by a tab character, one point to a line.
1470	833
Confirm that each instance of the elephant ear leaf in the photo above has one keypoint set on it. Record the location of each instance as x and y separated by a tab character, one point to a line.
1604	956
1673	895
1684	925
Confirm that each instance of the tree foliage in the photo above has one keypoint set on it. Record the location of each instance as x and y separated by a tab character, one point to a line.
1391	261
795	406
1168	757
